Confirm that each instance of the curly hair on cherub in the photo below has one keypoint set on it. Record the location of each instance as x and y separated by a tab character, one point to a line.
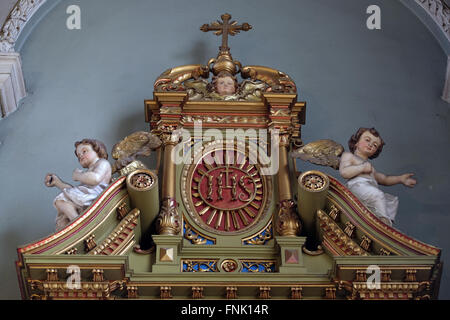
355	138
222	74
98	146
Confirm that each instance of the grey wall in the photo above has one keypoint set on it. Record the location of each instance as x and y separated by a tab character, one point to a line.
92	83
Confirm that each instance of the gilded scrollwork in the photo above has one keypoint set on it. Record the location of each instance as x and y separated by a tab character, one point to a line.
199	265
260	238
219	119
258	266
195	237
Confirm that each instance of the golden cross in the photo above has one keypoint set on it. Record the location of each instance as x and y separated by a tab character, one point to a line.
225	28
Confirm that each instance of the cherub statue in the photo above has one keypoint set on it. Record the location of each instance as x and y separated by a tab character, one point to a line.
92	156
363	179
224	86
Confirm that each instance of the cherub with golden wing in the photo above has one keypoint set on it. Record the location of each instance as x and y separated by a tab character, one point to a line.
140	143
363	179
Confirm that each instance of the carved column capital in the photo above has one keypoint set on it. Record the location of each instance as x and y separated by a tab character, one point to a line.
284	139
170	136
288	223
168	221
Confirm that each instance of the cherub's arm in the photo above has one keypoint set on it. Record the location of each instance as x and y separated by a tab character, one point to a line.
95	176
348	169
52	180
392	180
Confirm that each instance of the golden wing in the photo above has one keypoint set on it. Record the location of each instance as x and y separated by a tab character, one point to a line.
276	80
136	144
197	89
172	79
324	152
251	90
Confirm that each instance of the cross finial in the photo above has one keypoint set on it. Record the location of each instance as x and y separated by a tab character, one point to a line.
225	28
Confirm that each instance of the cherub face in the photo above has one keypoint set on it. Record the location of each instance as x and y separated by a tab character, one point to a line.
225	86
86	155
367	145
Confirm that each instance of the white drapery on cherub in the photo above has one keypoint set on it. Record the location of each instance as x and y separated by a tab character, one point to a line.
363	179
92	156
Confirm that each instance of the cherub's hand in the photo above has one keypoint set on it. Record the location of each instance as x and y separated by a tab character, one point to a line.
367	168
51	180
77	174
407	180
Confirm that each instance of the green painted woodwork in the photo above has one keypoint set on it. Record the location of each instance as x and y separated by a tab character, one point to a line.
148	203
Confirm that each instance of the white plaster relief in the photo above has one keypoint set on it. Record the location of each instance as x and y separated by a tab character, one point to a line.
439	12
19	16
12	85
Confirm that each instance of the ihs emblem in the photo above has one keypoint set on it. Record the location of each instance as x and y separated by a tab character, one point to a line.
227	191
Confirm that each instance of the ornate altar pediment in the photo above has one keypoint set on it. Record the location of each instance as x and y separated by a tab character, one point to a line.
225	216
